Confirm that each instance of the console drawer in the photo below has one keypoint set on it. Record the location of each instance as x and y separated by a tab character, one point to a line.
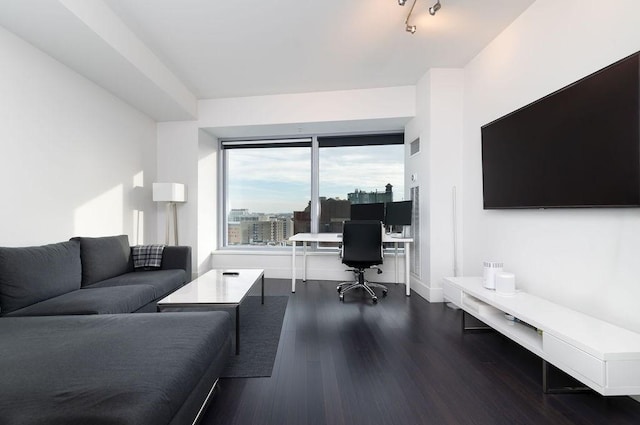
624	374
565	356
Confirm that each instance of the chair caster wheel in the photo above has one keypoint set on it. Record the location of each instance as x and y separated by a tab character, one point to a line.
384	293
338	289
341	297
375	300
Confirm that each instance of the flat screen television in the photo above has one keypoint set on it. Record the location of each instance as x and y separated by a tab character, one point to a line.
577	147
374	211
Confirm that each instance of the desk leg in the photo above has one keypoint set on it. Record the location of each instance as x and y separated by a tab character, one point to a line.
293	266
262	289
407	276
395	250
304	261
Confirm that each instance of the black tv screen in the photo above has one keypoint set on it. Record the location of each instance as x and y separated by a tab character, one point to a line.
577	147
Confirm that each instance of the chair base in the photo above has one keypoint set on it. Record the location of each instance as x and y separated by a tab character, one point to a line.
361	283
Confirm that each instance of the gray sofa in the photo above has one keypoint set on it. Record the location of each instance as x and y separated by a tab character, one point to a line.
86	276
66	359
116	369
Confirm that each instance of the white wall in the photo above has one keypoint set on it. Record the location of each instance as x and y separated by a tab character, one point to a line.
438	124
585	259
178	155
207	200
308	112
74	159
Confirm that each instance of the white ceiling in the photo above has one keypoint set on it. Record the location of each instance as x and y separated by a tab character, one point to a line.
219	48
257	47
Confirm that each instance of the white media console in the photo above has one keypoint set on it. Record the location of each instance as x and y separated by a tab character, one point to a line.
602	356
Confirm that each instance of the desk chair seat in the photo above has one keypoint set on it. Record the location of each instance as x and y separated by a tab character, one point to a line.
361	250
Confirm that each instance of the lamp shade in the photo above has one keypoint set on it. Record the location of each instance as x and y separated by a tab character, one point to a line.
169	192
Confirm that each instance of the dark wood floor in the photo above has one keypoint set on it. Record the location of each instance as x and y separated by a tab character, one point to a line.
402	361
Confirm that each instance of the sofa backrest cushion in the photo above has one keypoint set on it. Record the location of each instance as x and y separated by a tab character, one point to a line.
32	274
104	257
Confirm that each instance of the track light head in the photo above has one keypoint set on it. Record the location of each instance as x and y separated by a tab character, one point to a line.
411	29
433	9
402	2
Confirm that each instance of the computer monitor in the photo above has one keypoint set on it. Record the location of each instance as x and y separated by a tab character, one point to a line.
398	213
368	211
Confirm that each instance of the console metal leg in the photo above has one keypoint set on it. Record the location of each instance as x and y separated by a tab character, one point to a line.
466	328
565	389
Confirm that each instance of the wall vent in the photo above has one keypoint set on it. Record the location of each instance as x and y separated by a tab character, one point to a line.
414	147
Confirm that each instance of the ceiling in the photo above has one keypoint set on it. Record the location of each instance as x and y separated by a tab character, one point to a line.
217	49
258	47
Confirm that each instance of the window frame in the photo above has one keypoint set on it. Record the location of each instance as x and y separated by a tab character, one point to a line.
315	143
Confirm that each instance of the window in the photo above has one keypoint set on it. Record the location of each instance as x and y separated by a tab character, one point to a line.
268	185
358	170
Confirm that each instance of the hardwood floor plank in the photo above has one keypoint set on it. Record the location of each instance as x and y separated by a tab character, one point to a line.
402	361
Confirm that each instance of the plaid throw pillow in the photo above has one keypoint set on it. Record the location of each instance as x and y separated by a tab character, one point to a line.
147	256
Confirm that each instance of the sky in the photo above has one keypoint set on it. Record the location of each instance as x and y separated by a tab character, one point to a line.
278	180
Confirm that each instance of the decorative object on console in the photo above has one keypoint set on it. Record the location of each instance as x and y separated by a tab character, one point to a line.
171	193
505	283
490	269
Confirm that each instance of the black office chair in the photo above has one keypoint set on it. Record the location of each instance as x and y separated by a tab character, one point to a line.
361	249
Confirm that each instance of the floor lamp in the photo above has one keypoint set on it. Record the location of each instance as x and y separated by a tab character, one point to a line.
171	193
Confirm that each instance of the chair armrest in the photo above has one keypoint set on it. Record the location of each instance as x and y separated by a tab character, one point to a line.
177	257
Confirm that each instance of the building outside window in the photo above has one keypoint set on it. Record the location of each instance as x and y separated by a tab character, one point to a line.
269	191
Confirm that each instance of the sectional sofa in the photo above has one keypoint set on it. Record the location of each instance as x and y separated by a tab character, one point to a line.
73	352
86	276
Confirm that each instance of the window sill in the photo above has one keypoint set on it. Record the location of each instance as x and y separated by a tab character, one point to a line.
285	252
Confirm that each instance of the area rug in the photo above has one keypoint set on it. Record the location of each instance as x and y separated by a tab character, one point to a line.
260	327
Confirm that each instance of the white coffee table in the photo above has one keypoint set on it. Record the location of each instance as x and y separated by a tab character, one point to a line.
216	288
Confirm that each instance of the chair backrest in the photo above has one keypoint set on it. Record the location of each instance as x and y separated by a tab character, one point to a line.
362	243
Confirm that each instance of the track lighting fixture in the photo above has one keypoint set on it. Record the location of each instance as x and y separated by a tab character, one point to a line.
407	27
433	9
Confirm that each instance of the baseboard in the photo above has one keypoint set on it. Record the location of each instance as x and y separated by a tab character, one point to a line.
426	291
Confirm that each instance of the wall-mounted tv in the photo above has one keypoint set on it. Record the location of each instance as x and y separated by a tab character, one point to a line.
577	147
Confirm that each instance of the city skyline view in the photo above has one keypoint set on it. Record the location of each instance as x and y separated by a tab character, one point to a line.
273	181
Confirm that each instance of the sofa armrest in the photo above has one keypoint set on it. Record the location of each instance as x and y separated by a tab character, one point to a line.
177	257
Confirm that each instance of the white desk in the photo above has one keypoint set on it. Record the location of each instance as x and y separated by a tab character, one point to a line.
306	238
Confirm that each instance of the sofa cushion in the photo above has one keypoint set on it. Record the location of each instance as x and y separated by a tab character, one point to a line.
113	300
32	274
104	257
127	369
163	281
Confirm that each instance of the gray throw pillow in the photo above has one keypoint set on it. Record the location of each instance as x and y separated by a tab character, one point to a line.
32	274
104	257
